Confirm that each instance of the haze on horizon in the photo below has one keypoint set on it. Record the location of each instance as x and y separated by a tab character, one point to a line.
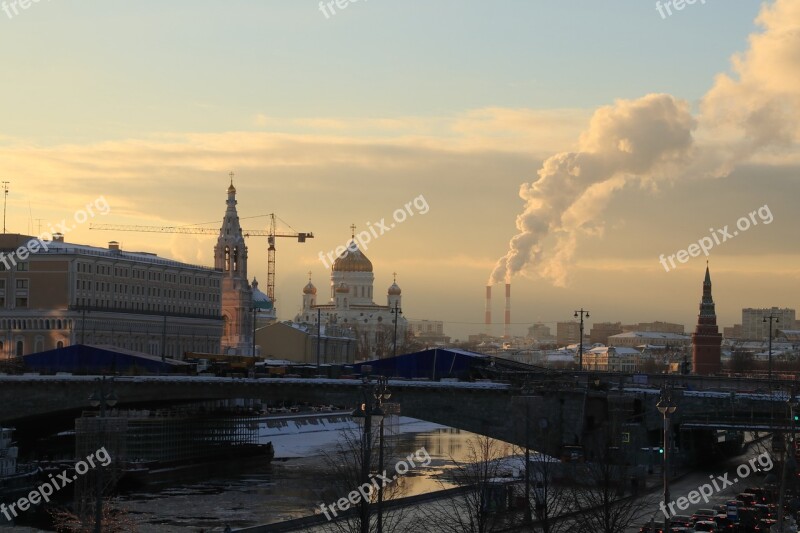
565	148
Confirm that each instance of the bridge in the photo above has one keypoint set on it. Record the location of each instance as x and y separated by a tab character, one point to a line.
551	411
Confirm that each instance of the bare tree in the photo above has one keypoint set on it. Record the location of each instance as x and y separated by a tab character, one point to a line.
345	465
475	506
114	520
549	496
602	495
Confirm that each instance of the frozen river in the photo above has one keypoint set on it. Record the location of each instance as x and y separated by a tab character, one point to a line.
297	480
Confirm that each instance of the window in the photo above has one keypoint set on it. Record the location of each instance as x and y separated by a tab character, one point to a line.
22	283
20	348
60	344
22	267
22	302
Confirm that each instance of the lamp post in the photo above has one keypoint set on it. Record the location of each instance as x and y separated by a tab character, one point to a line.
395	311
581	312
102	399
786	457
666	407
382	393
770	317
319	334
363	415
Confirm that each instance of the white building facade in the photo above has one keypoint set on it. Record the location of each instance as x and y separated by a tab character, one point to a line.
351	306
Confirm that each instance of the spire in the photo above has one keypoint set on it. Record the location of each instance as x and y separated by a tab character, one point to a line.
231	188
352	231
707	308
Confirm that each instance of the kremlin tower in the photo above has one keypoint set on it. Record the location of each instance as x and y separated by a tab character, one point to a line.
706	339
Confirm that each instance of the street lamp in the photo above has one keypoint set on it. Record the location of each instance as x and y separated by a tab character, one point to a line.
382	394
770	317
396	311
366	411
666	407
792	404
102	399
581	312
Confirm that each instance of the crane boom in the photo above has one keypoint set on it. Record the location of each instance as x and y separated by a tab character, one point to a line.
271	235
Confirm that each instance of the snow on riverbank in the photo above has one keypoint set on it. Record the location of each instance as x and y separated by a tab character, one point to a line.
304	436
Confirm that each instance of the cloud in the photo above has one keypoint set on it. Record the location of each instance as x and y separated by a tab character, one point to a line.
632	138
746	117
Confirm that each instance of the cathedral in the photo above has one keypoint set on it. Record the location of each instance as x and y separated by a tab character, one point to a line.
351	306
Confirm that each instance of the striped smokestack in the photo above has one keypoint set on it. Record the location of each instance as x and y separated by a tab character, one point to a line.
488	309
506	331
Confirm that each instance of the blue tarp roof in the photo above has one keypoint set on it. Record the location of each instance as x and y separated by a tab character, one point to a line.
433	364
85	359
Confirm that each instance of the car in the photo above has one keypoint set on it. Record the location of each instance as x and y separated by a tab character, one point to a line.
765	511
748	498
703	514
706	525
761	494
735	503
680	520
764	525
724	523
646	529
721	509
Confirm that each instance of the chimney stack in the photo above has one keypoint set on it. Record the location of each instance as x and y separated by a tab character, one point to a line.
506	331
488	309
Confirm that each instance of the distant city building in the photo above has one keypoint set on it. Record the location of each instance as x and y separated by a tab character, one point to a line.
298	343
601	331
351	306
663	327
67	294
706	339
428	331
540	332
754	328
636	339
612	359
568	333
734	332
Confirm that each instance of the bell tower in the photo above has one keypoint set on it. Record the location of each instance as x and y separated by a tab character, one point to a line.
230	257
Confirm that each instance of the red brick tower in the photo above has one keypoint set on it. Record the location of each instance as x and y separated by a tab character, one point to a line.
706	339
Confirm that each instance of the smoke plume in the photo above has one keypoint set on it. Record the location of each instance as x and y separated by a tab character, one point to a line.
753	110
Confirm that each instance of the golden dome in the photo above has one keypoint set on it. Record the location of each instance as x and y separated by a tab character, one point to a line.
310	289
342	288
394	290
352	260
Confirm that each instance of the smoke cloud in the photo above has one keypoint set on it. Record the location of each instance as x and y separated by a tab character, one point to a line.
753	110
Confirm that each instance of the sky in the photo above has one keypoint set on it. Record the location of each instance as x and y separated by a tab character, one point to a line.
564	146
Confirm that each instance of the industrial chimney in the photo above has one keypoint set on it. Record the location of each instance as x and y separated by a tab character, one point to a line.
506	331
488	309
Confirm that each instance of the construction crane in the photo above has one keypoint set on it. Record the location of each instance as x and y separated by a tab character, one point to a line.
271	234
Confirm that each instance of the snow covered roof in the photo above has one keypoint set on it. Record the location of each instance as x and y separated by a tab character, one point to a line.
650	335
62	248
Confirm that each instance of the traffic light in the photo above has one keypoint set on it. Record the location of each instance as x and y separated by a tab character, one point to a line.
796	418
661	450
